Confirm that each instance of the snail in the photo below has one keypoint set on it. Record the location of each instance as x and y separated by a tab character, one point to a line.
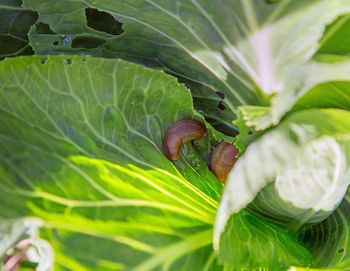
222	160
181	132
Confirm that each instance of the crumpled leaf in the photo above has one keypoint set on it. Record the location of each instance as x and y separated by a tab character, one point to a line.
313	76
329	241
296	142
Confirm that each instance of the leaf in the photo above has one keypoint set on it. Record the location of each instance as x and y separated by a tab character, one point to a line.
238	48
313	145
253	243
333	243
15	24
335	41
247	133
313	76
246	122
327	95
81	148
329	241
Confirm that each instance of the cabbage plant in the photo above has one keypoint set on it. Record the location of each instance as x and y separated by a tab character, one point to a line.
88	90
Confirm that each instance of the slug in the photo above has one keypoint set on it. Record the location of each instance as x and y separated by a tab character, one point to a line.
179	133
222	160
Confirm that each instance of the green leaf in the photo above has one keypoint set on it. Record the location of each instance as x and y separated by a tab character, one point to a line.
312	76
247	133
335	41
15	23
309	145
239	48
81	148
253	243
332	247
329	241
327	95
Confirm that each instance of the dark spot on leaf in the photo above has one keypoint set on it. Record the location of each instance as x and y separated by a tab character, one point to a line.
43	60
69	61
55	42
103	21
87	42
271	1
42	28
220	94
192	26
341	250
221	106
250	132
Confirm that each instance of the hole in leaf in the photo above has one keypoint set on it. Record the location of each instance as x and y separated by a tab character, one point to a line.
87	42
69	61
43	60
221	106
250	132
55	42
42	28
220	94
341	250
103	21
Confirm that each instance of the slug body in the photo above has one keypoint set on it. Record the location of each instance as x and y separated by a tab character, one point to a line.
222	160
179	133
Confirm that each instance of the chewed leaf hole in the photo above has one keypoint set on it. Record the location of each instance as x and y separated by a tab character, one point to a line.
69	61
42	28
221	106
103	21
43	60
87	42
56	42
220	94
341	250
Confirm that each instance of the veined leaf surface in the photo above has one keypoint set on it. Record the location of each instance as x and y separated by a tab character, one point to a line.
81	148
243	49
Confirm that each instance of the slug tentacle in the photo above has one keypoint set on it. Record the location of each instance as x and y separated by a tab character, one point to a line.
222	160
179	133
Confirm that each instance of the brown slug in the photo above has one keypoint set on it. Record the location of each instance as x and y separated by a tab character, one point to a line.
181	132
222	160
